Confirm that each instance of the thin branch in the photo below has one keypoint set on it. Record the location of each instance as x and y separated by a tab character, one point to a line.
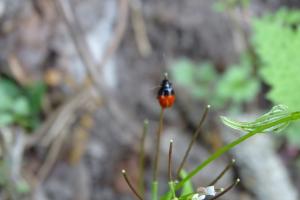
222	173
51	157
226	190
170	161
139	28
118	33
171	182
195	136
57	121
157	149
130	185
142	159
65	10
93	69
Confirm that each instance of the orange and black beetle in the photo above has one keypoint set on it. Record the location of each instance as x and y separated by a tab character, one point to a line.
166	94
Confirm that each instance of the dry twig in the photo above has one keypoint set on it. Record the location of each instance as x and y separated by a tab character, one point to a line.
139	28
64	8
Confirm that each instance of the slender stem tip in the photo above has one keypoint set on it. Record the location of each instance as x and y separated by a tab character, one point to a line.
208	106
237	181
130	185
171	141
146	122
219	189
233	161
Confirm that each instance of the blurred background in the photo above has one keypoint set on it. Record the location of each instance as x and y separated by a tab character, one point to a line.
77	79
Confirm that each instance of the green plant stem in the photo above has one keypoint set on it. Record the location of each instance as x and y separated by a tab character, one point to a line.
171	182
170	161
293	116
142	160
156	158
172	189
195	136
154	190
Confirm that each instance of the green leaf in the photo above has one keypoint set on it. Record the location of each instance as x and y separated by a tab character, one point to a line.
276	113
292	133
237	84
22	187
183	72
8	92
6	119
21	106
6	101
9	87
205	73
276	38
219	7
277	44
36	93
268	126
187	187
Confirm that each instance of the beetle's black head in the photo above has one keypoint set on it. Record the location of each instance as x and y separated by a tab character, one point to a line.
166	88
166	83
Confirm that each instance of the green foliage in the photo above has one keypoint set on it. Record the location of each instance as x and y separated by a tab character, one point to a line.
20	105
187	187
277	112
199	79
237	84
276	39
15	187
234	87
223	5
274	120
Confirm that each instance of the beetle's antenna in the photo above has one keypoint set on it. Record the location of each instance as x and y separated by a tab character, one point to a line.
166	75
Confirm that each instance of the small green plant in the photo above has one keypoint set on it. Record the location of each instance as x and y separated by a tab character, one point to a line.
234	87
20	105
222	5
276	38
273	121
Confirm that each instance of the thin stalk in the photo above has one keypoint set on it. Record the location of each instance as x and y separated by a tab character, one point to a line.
130	185
223	172
293	116
172	189
170	161
154	190
226	190
195	136
156	158
171	183
142	160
